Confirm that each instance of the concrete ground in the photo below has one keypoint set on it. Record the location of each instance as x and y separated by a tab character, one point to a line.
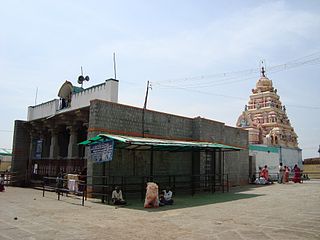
277	211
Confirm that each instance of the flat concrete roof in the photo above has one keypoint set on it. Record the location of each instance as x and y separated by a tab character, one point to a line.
278	211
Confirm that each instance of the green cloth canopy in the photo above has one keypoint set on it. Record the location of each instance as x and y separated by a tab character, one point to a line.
156	144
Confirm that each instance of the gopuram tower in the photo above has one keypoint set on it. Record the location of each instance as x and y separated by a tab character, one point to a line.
265	117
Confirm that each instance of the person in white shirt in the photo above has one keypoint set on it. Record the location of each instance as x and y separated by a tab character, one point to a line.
166	198
280	173
116	197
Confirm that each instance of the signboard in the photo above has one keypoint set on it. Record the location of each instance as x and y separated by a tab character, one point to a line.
38	149
102	152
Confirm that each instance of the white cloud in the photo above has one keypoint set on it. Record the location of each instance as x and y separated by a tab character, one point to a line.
271	26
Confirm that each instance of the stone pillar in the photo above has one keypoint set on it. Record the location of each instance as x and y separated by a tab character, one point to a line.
42	137
54	147
20	152
73	144
91	167
86	151
33	136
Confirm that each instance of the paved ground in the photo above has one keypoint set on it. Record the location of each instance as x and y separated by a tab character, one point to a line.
277	211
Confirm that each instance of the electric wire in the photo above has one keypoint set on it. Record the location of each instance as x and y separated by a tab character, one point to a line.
239	76
236	77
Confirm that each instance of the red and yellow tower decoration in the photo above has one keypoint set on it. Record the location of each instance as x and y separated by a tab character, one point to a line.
265	117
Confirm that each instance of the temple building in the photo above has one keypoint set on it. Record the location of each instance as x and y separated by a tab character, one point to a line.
311	167
272	139
145	143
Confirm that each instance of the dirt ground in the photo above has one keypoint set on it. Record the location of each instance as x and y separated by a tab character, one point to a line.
278	211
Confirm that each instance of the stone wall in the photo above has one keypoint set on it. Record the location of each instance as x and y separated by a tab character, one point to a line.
208	130
237	163
122	119
108	117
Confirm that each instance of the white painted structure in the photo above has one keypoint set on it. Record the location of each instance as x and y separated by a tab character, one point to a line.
291	156
107	91
272	156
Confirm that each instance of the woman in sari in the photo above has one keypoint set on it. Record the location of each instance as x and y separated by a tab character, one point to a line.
297	174
265	173
286	174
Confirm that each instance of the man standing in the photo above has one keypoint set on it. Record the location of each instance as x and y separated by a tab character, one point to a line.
280	173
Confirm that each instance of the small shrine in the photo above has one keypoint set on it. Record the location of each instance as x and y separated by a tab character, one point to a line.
265	117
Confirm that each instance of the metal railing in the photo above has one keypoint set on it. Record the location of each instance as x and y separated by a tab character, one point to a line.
60	186
102	186
51	167
9	178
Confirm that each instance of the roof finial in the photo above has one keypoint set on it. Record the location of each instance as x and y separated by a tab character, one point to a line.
262	72
263	69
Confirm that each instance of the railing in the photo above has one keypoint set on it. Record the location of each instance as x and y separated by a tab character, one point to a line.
102	186
51	167
9	177
60	186
136	185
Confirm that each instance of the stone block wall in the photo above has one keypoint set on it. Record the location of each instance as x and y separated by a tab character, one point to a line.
121	119
237	163
208	130
108	117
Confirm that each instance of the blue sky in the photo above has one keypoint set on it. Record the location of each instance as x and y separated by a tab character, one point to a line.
182	47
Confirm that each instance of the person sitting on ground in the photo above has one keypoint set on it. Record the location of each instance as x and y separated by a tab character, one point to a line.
263	176
166	198
116	197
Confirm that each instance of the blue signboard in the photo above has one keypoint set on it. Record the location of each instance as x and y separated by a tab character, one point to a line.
102	152
38	149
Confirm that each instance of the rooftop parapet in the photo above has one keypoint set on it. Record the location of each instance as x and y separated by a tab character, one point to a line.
71	100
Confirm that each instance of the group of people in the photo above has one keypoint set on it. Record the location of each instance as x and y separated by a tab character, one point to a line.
264	177
283	175
284	171
152	199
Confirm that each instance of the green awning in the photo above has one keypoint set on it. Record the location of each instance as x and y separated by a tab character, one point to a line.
5	152
260	148
139	143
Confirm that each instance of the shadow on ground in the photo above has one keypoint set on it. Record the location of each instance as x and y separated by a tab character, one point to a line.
180	200
187	201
